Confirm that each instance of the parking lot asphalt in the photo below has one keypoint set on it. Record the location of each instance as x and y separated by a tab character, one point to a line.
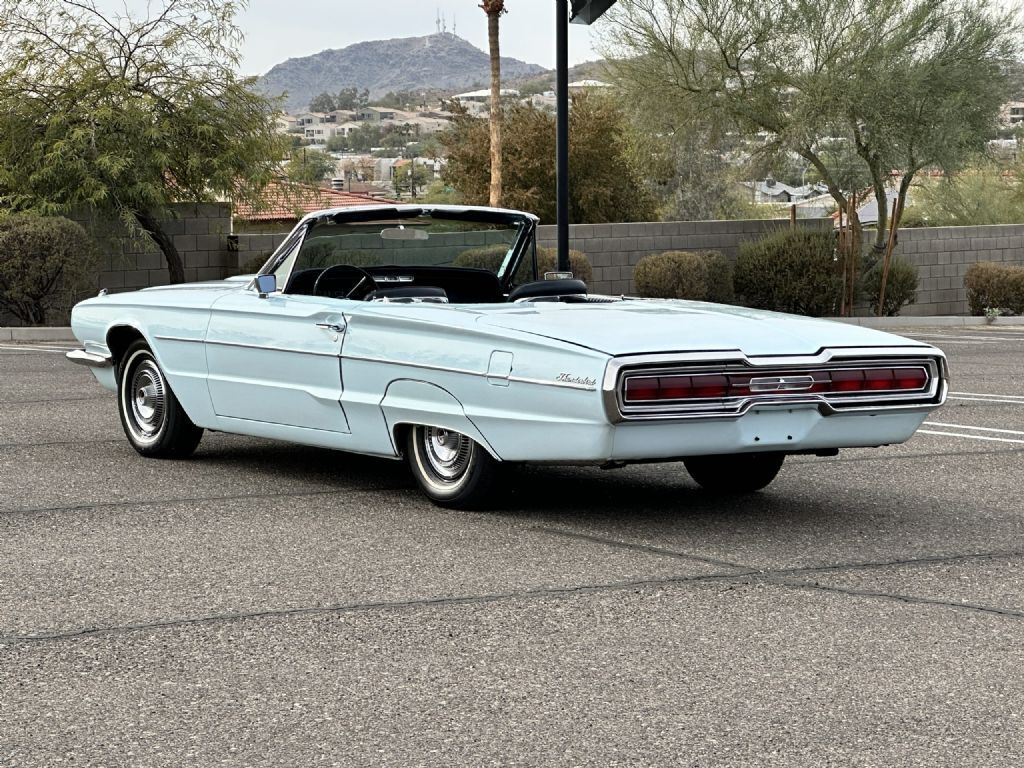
270	604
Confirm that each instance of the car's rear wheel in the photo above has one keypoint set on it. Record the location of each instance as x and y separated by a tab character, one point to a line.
735	473
450	468
154	421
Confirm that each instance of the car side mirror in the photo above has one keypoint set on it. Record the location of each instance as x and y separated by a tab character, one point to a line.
266	284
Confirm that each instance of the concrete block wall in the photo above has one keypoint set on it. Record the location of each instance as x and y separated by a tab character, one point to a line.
200	234
942	256
614	249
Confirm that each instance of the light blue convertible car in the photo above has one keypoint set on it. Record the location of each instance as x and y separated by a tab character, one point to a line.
426	333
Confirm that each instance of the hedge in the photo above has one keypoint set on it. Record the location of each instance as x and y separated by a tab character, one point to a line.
994	286
791	271
697	275
900	288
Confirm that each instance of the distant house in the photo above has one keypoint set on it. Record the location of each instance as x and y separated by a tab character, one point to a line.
771	191
286	123
373	114
305	119
586	85
1012	113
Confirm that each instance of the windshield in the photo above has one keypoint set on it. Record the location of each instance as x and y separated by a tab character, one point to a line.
416	241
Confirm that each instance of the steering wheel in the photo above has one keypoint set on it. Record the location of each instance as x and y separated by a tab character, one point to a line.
343	281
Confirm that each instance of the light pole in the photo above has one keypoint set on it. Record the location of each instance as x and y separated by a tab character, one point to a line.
583	12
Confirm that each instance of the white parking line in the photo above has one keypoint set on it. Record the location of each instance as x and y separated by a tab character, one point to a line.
976	429
969	437
987	394
26	348
986	337
1008	399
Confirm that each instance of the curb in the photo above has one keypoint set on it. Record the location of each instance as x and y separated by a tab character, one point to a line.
36	334
958	321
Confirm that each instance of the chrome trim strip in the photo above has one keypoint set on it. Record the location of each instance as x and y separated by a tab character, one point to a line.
242	345
562	384
81	357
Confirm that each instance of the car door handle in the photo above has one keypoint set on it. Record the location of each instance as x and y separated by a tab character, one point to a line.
334	327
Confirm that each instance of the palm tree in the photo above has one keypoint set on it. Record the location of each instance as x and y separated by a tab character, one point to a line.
494	9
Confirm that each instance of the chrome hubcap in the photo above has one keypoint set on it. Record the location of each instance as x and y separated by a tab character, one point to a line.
146	396
448	453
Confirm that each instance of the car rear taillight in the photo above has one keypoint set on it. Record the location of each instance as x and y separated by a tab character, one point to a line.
710	386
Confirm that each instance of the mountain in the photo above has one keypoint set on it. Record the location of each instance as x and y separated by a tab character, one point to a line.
435	62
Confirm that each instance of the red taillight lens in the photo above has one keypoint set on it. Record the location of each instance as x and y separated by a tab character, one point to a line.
910	378
675	387
710	386
847	381
879	378
642	389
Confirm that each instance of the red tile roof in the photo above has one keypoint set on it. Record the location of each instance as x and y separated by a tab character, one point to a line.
290	201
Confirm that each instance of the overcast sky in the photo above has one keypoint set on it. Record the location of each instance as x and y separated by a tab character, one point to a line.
276	30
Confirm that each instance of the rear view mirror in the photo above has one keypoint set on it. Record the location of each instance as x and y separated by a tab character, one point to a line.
401	233
266	284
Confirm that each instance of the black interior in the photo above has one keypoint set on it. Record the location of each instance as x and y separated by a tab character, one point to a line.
461	285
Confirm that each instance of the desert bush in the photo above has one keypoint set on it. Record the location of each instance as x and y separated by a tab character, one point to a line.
491	256
46	265
697	275
995	286
900	288
487	257
579	264
791	271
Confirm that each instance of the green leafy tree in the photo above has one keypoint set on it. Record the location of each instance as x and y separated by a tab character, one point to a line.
125	115
411	180
323	102
604	184
310	166
909	84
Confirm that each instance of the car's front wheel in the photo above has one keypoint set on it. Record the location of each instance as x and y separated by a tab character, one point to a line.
154	421
451	468
736	472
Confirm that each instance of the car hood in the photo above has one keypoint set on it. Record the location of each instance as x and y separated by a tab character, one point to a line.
655	326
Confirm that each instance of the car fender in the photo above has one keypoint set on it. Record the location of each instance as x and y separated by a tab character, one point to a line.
410	401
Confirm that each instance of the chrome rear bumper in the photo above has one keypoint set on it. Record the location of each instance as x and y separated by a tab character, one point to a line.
91	359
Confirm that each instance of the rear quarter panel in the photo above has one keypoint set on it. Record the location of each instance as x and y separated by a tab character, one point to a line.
512	387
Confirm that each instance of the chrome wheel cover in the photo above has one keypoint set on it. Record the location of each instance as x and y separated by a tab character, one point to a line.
449	454
144	399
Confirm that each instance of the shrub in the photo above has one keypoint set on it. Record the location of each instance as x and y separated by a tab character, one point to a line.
46	265
579	264
995	286
697	275
791	271
900	288
491	256
487	257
